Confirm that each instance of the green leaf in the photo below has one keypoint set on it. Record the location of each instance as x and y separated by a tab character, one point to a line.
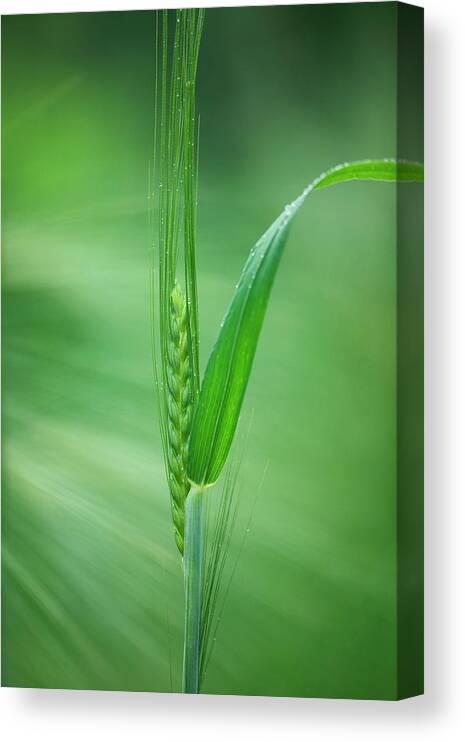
230	363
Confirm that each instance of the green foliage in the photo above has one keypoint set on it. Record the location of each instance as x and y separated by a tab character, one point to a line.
196	455
92	577
218	408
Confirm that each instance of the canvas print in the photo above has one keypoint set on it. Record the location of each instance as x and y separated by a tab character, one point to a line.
212	350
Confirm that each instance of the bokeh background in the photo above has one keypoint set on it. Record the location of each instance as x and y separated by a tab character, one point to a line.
92	584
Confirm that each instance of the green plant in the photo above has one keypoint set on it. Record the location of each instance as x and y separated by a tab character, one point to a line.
198	423
174	179
175	332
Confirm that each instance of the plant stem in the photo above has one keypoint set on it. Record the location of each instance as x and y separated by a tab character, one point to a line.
193	535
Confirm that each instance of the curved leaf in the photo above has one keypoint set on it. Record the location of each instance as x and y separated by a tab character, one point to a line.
229	366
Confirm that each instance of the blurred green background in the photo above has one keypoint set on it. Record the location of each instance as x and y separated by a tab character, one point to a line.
92	584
